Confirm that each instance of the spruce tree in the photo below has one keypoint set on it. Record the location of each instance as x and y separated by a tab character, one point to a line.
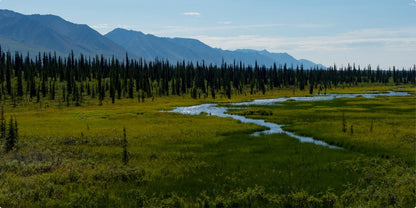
63	94
11	139
43	88
38	95
125	153
2	123
130	88
52	90
19	83
8	74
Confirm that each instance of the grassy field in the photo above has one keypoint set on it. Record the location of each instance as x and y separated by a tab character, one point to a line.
384	126
72	156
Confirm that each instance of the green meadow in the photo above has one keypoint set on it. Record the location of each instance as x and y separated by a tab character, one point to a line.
72	156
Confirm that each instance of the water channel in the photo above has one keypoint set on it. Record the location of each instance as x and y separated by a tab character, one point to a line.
220	111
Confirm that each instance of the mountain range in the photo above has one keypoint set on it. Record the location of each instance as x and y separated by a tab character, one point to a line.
49	33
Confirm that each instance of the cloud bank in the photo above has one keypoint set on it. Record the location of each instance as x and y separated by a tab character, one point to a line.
368	46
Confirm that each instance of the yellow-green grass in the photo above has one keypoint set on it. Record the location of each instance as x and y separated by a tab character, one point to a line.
370	87
78	150
92	119
384	125
72	156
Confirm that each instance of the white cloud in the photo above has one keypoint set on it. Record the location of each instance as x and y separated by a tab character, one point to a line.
344	40
371	46
224	26
174	30
413	3
195	14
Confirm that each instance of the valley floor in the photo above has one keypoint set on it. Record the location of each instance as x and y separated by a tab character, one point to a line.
73	156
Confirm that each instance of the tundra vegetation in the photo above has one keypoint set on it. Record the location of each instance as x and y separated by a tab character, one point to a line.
91	132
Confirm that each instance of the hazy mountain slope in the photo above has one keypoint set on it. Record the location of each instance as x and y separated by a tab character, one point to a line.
178	49
87	38
49	33
10	45
173	49
55	34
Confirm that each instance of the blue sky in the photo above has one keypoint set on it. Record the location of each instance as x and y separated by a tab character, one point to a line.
376	32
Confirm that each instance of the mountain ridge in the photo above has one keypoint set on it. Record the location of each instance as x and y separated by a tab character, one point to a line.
54	33
51	33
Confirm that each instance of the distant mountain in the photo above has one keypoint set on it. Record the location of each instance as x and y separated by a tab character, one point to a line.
268	58
178	49
12	46
52	33
49	33
305	62
173	49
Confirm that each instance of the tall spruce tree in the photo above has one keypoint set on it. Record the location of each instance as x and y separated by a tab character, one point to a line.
2	123
11	139
125	153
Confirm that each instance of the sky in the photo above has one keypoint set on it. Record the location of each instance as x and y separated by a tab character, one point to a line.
376	32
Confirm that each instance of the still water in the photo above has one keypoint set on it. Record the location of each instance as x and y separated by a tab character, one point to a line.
214	110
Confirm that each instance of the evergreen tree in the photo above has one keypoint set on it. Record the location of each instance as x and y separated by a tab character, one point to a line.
8	74
44	89
125	153
53	90
112	93
19	83
32	86
2	123
63	94
11	139
130	88
38	95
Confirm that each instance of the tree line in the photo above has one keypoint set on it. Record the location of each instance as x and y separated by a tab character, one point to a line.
47	76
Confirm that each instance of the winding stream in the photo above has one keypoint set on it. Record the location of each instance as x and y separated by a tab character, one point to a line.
214	110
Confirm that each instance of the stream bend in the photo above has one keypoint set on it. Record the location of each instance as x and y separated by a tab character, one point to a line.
214	110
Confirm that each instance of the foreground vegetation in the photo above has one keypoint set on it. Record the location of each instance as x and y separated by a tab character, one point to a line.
74	156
